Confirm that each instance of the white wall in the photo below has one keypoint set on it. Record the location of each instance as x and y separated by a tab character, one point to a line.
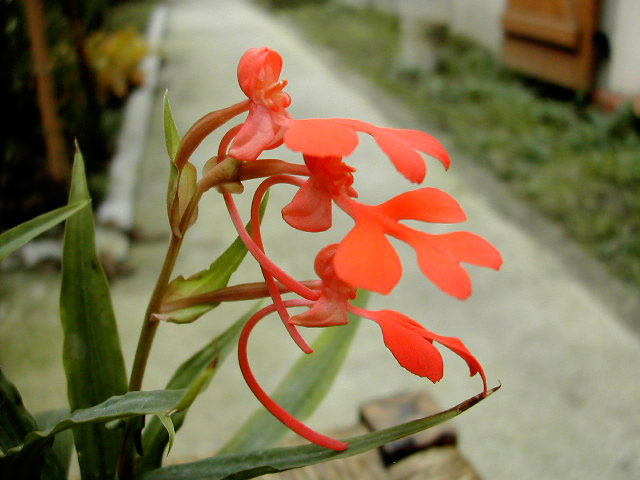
479	20
621	22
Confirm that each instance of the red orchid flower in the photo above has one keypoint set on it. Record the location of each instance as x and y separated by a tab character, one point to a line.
364	258
330	308
409	342
439	256
311	207
337	137
258	75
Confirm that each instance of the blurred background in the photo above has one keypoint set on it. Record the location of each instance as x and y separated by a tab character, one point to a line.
68	67
538	102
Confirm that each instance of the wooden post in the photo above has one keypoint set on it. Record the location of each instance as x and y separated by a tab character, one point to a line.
57	161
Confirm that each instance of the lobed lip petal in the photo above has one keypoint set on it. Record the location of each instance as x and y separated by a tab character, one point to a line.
400	332
366	259
326	137
321	138
412	350
425	204
439	258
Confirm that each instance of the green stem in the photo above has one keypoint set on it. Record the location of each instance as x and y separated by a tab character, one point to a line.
150	324
145	341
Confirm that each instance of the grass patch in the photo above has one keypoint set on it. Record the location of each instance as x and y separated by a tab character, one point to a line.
572	162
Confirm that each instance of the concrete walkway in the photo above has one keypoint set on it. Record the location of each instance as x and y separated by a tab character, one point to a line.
569	407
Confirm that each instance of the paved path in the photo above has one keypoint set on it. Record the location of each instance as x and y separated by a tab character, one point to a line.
569	407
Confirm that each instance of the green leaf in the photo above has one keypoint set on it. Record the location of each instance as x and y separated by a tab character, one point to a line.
187	314
172	140
62	443
131	404
15	423
214	278
168	425
194	373
16	237
171	136
92	356
41	462
240	466
302	390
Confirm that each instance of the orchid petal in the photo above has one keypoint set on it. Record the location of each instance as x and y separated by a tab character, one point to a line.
328	311
471	248
412	350
401	145
366	259
311	208
406	160
425	204
420	141
442	268
320	138
439	258
255	135
253	64
455	345
389	319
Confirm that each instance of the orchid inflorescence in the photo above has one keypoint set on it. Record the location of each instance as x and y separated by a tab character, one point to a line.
323	181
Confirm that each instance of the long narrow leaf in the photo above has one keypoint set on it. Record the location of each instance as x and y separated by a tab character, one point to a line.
15	423
62	443
18	236
131	404
172	140
250	465
40	462
155	436
92	356
302	389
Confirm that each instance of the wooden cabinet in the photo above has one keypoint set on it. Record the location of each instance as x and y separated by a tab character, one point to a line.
552	40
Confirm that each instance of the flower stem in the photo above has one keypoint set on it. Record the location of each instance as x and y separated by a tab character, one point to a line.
145	341
279	412
268	278
150	325
234	293
287	280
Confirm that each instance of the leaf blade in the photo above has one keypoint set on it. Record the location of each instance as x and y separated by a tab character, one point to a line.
91	341
240	466
19	235
130	404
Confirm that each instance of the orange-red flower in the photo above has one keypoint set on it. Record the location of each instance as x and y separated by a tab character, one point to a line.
439	256
409	342
337	137
364	258
311	207
258	75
